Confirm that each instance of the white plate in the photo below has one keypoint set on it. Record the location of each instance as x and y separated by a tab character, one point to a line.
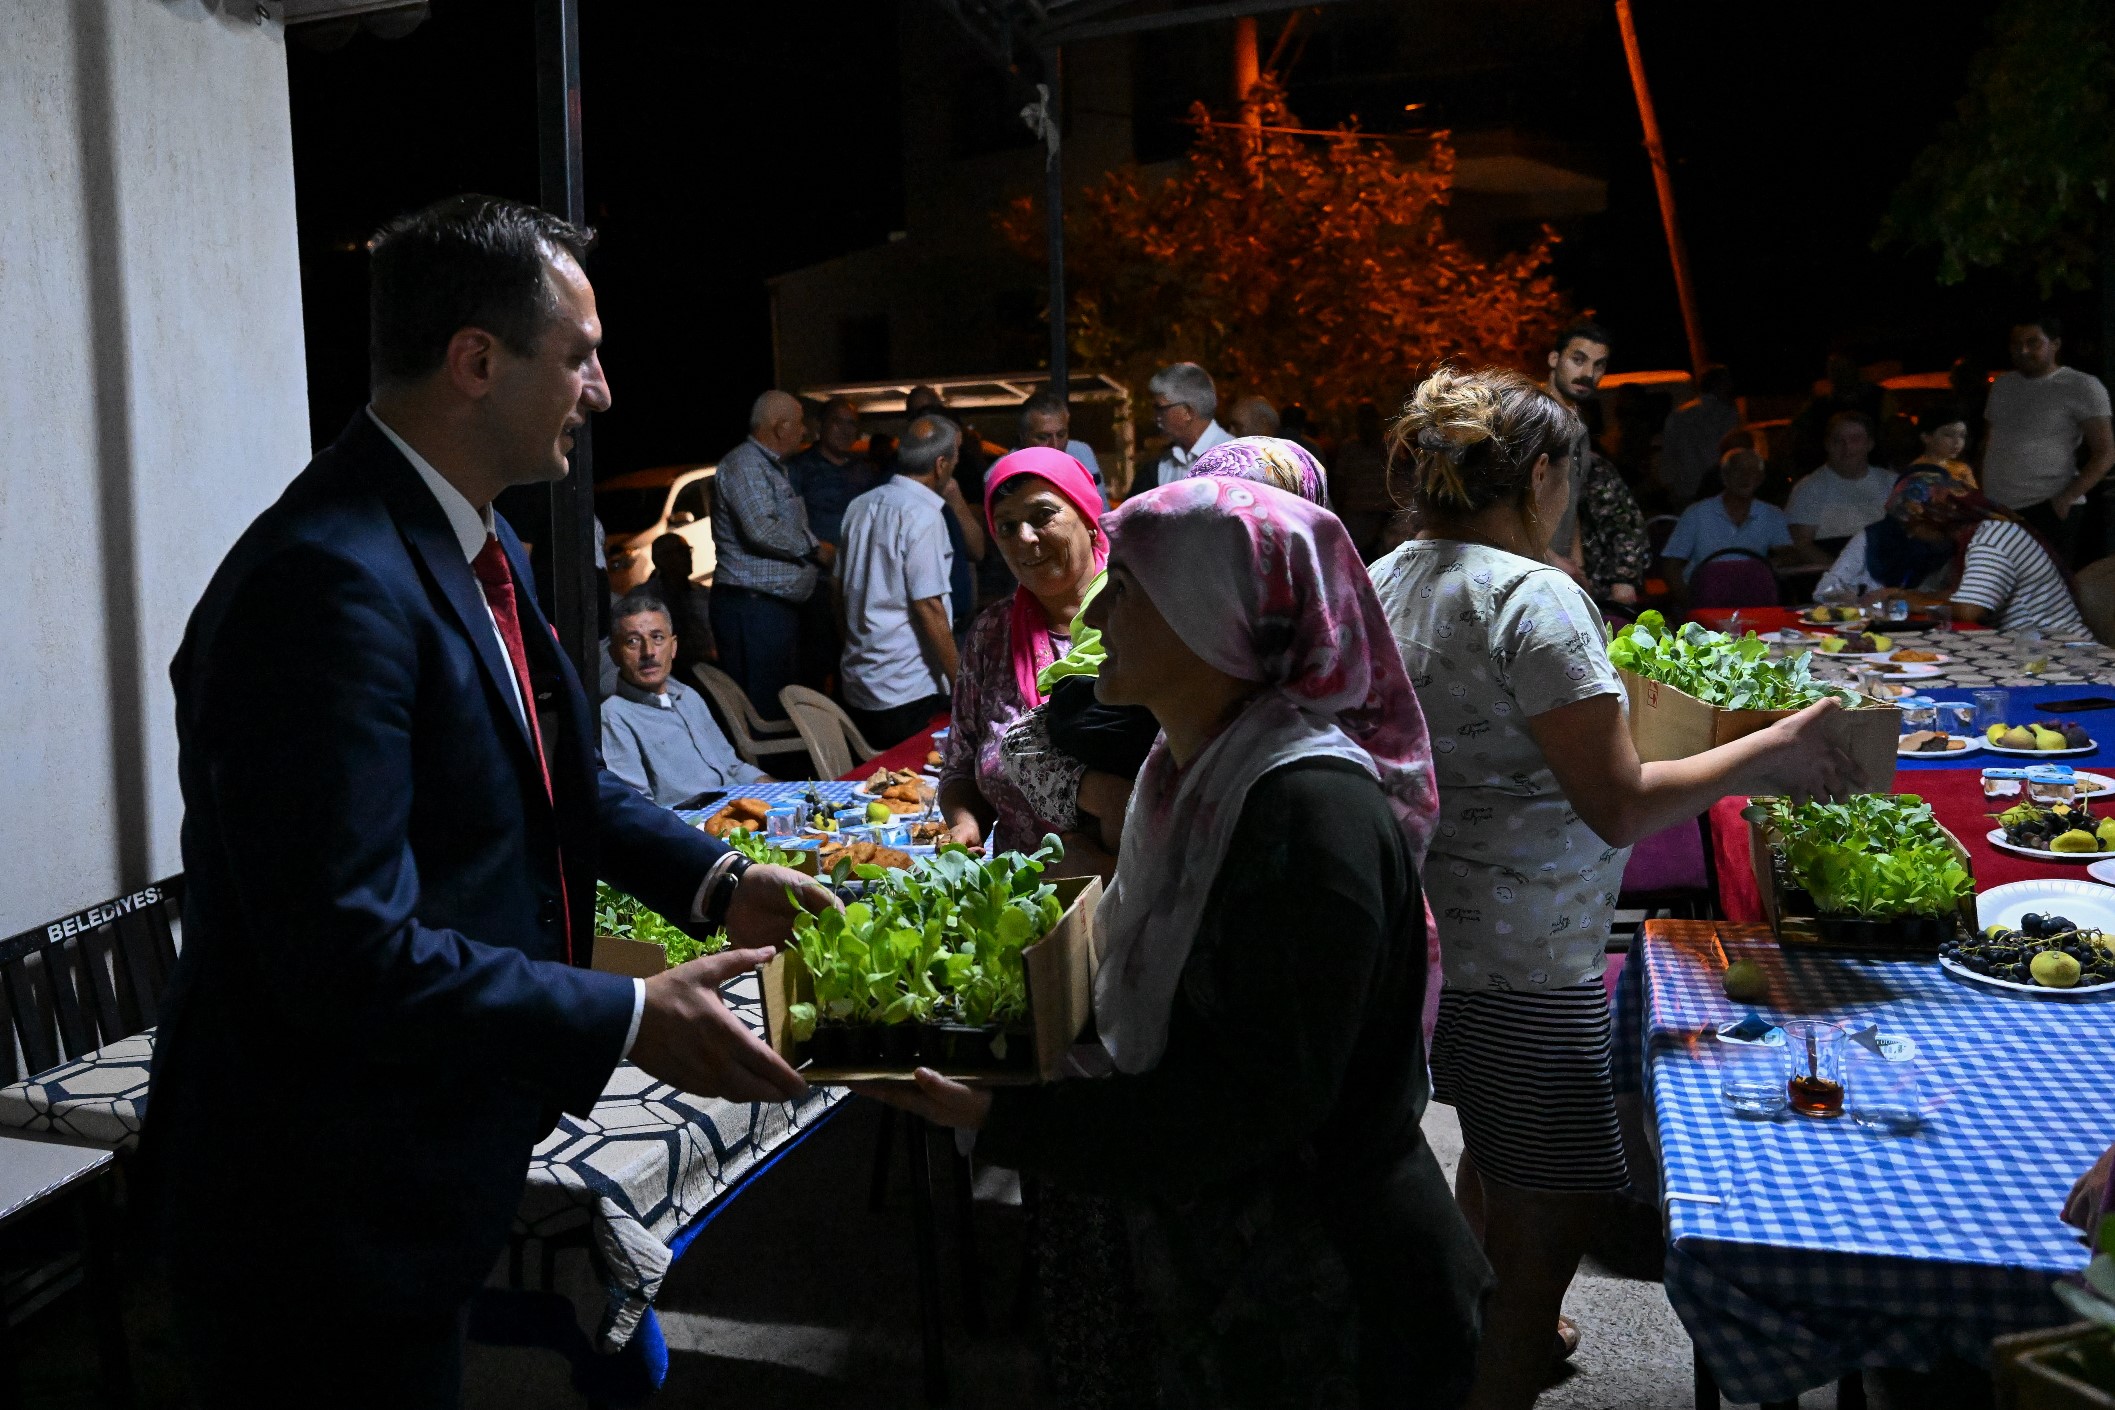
1974	744
1910	671
1888	657
2089	905
2043	753
1996	838
861	789
2040	991
1850	622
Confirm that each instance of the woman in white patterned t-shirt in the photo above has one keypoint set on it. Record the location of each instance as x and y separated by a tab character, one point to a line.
1541	795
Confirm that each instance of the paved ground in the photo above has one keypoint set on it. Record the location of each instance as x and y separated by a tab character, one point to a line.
799	1296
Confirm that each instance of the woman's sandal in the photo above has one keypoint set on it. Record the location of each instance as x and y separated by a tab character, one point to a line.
1567	1337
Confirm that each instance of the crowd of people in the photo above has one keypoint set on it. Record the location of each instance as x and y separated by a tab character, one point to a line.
1364	807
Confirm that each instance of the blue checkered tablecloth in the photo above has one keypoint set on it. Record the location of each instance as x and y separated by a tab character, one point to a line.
1801	1250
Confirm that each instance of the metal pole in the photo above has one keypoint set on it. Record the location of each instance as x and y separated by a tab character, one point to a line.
1677	252
1054	214
573	608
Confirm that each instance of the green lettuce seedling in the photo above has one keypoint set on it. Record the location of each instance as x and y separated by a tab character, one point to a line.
1716	669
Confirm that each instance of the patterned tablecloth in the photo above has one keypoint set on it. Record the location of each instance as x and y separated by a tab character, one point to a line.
607	1196
1801	1250
610	1197
1994	658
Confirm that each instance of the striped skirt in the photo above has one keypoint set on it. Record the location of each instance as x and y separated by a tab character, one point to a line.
1528	1074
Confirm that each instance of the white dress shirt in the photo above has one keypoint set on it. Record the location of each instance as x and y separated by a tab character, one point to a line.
472	527
1175	465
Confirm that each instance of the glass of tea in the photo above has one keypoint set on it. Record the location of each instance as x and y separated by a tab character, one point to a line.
1753	1075
1815	1048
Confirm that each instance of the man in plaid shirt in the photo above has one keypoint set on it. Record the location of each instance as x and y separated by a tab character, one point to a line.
769	560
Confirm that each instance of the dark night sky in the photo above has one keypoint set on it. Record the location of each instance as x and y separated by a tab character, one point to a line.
729	143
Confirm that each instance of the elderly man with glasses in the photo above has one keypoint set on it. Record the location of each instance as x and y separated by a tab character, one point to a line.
1183	402
657	735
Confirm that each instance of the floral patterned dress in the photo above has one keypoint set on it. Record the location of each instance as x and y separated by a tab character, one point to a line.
987	702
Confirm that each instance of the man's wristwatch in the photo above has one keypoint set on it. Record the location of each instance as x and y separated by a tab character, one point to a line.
720	887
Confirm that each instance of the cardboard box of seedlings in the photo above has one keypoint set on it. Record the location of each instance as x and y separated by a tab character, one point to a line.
1798	925
1668	723
1060	982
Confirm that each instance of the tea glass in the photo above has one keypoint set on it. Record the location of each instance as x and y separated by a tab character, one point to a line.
1918	712
1886	1090
1815	1050
1989	709
1753	1076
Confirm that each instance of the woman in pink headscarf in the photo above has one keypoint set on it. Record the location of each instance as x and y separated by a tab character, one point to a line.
1044	515
1264	971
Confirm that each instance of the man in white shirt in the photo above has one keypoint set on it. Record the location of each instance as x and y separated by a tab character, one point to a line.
899	651
1844	495
2038	417
1183	402
1047	421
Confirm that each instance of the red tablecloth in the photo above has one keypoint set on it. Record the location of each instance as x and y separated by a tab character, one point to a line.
1955	795
908	755
1770	619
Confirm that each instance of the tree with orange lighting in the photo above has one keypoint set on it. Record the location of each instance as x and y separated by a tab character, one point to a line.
1297	267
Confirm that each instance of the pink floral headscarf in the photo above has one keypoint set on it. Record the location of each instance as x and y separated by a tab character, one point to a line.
1268	460
1032	646
1268	588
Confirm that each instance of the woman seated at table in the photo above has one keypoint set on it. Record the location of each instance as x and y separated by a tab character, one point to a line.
1264	964
1080	756
1541	795
1943	542
1044	514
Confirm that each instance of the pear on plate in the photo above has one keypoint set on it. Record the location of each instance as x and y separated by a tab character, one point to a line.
1995	734
2106	833
2018	737
1883	643
2046	738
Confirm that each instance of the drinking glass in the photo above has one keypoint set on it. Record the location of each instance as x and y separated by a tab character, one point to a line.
1869	682
1897	609
1886	1090
1989	709
1815	1048
1753	1077
782	821
1918	712
1956	717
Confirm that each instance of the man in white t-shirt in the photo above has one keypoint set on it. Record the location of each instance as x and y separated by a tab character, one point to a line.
2037	419
1844	495
899	650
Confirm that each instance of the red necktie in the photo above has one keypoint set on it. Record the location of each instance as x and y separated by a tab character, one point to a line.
497	579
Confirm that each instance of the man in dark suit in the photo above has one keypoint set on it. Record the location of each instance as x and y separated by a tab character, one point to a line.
394	819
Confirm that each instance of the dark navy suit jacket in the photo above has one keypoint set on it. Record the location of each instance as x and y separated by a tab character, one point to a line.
373	1021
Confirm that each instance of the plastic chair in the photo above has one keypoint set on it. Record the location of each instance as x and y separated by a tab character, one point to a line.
1668	874
2096	599
1733	577
833	742
751	734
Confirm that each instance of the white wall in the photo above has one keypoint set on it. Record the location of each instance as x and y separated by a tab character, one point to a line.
152	401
